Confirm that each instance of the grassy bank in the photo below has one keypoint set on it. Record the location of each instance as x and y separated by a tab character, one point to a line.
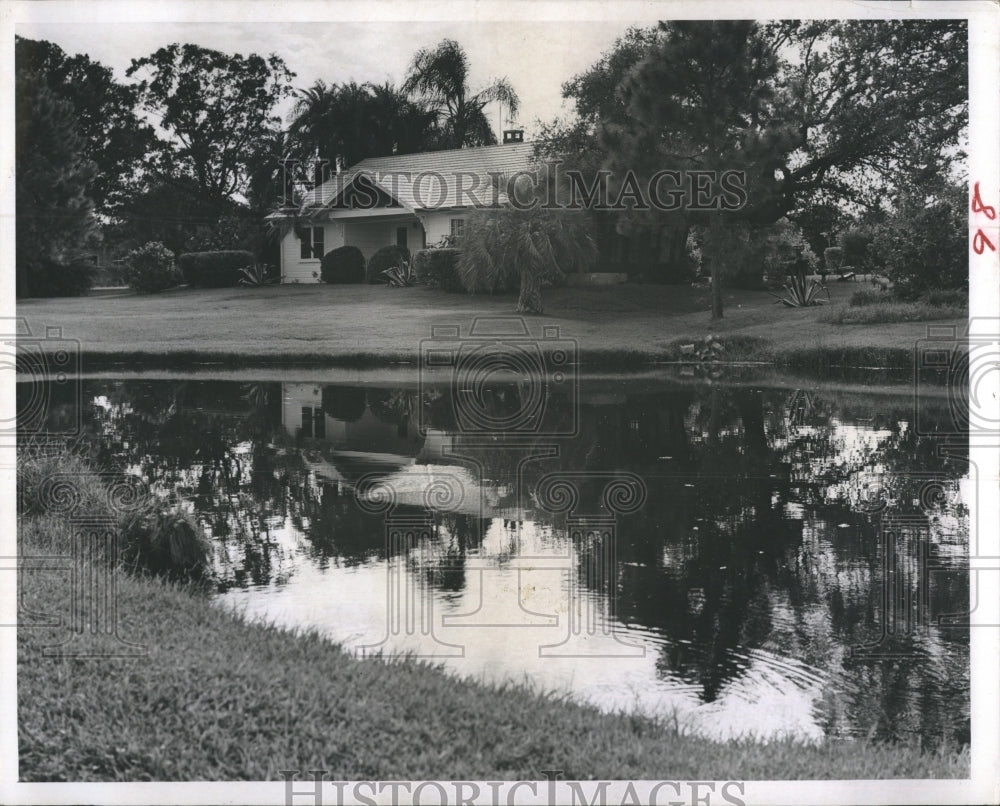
215	697
362	325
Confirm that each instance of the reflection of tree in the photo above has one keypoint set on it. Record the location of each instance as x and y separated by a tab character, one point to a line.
754	536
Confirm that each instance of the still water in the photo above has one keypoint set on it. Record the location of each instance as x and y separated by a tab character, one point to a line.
740	560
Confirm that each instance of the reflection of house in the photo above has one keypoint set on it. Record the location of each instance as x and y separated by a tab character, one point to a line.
410	200
342	448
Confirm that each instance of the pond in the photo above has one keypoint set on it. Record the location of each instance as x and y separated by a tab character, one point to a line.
741	560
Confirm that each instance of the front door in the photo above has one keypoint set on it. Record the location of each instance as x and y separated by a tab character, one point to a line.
401	236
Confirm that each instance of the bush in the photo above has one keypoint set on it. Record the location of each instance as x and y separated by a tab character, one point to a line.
953	297
345	264
386	258
888	311
214	269
50	278
869	296
150	268
438	268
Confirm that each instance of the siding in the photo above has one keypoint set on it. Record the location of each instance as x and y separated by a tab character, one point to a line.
438	225
296	270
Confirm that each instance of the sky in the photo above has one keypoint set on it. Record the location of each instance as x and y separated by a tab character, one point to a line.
536	56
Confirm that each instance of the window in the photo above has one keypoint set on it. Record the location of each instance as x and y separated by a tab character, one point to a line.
311	243
313	422
457	225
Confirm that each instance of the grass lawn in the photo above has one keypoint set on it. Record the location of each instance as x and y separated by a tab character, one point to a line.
364	324
220	698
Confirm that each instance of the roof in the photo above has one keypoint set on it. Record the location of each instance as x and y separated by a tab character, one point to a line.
431	180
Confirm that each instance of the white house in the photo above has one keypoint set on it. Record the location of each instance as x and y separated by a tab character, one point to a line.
412	200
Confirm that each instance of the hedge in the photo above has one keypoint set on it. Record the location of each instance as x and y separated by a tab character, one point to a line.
345	264
438	268
385	258
40	277
214	269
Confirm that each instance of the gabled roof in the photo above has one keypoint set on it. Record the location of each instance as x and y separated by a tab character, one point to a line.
431	179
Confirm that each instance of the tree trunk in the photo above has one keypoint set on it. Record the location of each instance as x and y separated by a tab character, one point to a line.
716	290
530	298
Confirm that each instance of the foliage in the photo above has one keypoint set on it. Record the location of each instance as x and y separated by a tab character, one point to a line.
215	109
833	259
888	311
50	278
385	258
345	264
440	77
856	242
923	243
115	139
438	268
510	248
150	268
868	296
55	225
257	275
219	269
957	297
347	403
345	123
400	276
802	293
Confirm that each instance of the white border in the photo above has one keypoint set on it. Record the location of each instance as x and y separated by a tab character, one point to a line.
984	30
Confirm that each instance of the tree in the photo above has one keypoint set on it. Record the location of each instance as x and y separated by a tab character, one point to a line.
704	98
55	221
214	108
114	137
923	244
524	246
345	123
440	77
843	107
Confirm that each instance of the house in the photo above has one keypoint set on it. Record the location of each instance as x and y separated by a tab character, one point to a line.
411	200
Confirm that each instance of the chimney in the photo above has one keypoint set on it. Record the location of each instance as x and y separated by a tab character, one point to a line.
513	136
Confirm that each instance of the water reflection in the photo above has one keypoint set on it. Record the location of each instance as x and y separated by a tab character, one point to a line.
770	560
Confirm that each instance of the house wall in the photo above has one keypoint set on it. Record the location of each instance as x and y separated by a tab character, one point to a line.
438	225
296	270
368	236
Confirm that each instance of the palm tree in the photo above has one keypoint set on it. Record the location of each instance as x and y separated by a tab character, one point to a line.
440	77
345	123
511	247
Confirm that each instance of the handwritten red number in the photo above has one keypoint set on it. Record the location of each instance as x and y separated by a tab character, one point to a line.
980	242
979	207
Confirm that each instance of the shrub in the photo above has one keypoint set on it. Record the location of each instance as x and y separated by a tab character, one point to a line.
51	278
953	297
214	269
868	296
438	268
257	275
888	311
386	258
345	264
150	268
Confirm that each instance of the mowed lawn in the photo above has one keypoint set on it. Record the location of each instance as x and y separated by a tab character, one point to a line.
366	323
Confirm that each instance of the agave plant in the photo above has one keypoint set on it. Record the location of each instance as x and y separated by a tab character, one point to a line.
257	274
801	295
401	276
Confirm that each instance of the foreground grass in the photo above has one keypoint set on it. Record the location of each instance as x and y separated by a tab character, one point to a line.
212	696
218	698
365	325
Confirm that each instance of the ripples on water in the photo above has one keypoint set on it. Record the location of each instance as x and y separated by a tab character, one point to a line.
745	593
